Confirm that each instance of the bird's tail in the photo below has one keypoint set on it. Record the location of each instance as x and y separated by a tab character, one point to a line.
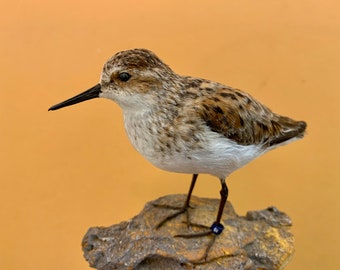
289	130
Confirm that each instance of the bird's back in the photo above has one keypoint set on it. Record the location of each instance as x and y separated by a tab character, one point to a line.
239	117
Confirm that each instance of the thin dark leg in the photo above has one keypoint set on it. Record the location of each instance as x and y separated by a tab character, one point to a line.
192	185
185	206
217	227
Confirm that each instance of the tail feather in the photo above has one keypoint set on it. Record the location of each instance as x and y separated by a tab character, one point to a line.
289	129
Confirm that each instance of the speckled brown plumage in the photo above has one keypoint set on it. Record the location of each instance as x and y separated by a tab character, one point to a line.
241	118
170	117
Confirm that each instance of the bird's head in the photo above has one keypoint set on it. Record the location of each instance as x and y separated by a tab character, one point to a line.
135	79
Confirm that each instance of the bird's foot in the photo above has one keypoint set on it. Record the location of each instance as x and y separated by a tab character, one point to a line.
215	229
180	210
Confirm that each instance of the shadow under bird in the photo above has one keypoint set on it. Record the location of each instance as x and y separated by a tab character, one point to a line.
188	125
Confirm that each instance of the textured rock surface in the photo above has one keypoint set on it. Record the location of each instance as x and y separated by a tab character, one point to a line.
260	240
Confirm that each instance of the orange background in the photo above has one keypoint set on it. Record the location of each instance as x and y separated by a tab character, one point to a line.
65	171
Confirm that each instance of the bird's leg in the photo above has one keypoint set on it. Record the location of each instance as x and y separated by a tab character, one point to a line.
181	210
216	228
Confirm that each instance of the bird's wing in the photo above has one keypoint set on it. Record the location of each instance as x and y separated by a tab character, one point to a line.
239	117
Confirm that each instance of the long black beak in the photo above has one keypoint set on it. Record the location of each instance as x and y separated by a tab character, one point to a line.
88	94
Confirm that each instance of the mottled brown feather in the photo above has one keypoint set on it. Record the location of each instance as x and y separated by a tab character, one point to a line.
239	117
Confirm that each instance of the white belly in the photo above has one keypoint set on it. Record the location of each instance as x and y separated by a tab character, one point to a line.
217	155
220	158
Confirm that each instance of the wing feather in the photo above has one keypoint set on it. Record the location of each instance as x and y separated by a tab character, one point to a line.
239	117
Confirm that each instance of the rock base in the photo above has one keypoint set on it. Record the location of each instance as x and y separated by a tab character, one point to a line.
260	240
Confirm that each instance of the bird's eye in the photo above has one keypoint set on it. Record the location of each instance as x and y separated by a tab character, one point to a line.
124	76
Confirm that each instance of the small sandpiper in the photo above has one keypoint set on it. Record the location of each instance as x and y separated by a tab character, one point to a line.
188	125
